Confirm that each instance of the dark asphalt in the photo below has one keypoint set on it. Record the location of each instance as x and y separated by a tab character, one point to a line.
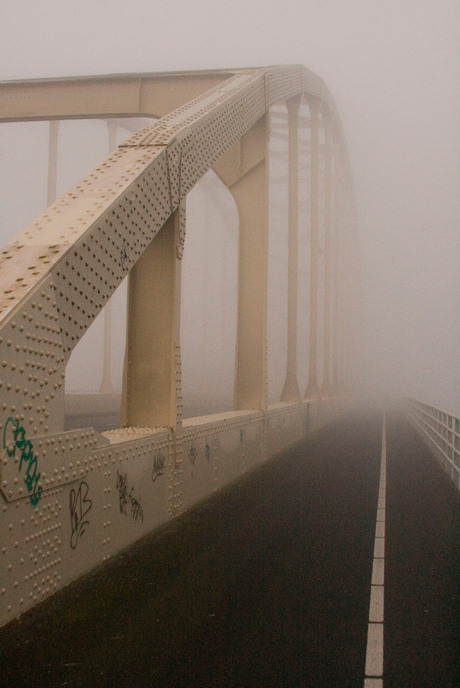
422	591
267	584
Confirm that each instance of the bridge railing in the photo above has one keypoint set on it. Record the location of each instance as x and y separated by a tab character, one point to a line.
441	431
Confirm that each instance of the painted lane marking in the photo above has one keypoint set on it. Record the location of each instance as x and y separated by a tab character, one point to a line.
374	654
374	650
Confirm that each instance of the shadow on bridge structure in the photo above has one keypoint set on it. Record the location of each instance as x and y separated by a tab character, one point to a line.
85	476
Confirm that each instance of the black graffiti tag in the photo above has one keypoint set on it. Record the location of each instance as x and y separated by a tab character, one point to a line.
122	487
158	464
79	507
192	455
137	510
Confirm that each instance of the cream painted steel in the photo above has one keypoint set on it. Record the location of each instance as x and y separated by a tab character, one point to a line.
441	432
251	197
71	499
326	379
290	390
312	390
52	160
106	382
123	95
350	292
151	388
335	260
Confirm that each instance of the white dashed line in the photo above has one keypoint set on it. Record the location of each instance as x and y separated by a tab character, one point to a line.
374	651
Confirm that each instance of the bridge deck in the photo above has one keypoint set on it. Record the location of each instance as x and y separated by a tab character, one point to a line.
268	584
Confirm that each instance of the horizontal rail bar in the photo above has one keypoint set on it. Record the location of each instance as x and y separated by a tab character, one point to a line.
441	430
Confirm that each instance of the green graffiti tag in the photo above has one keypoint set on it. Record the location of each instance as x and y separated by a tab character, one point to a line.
27	457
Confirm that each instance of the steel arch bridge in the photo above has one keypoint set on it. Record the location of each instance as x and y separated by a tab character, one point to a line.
71	499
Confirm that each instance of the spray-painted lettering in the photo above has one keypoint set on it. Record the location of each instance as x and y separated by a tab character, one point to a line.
125	498
158	464
79	507
192	455
19	441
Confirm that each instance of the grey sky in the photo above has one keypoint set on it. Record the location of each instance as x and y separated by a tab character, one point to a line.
393	68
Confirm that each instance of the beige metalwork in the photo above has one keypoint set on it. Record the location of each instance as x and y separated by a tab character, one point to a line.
291	388
326	382
312	390
72	499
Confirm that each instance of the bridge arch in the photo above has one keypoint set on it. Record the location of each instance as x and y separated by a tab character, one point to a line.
128	218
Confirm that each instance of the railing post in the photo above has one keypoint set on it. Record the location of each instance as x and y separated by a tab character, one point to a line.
326	381
312	390
291	388
151	378
250	192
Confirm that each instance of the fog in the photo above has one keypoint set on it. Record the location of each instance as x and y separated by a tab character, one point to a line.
394	71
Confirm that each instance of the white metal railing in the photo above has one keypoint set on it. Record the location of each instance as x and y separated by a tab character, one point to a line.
442	432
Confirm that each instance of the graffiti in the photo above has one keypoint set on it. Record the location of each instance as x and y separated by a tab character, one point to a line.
125	498
27	457
207	452
123	254
158	464
137	510
122	487
192	455
79	507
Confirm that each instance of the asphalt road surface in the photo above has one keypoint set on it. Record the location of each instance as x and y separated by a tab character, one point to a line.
268	583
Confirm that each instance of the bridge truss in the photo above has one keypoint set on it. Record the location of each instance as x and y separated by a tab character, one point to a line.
72	499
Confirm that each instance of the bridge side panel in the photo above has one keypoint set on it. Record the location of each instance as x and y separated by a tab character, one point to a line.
125	490
104	497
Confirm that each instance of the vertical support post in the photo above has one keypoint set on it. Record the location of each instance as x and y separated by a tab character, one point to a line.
251	195
52	160
59	413
106	384
291	388
112	126
350	281
326	382
204	372
151	378
342	306
335	262
344	290
312	390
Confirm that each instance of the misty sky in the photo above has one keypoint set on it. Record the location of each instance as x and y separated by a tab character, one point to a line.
393	67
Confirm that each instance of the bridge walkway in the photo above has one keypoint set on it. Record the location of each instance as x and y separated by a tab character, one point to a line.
268	584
